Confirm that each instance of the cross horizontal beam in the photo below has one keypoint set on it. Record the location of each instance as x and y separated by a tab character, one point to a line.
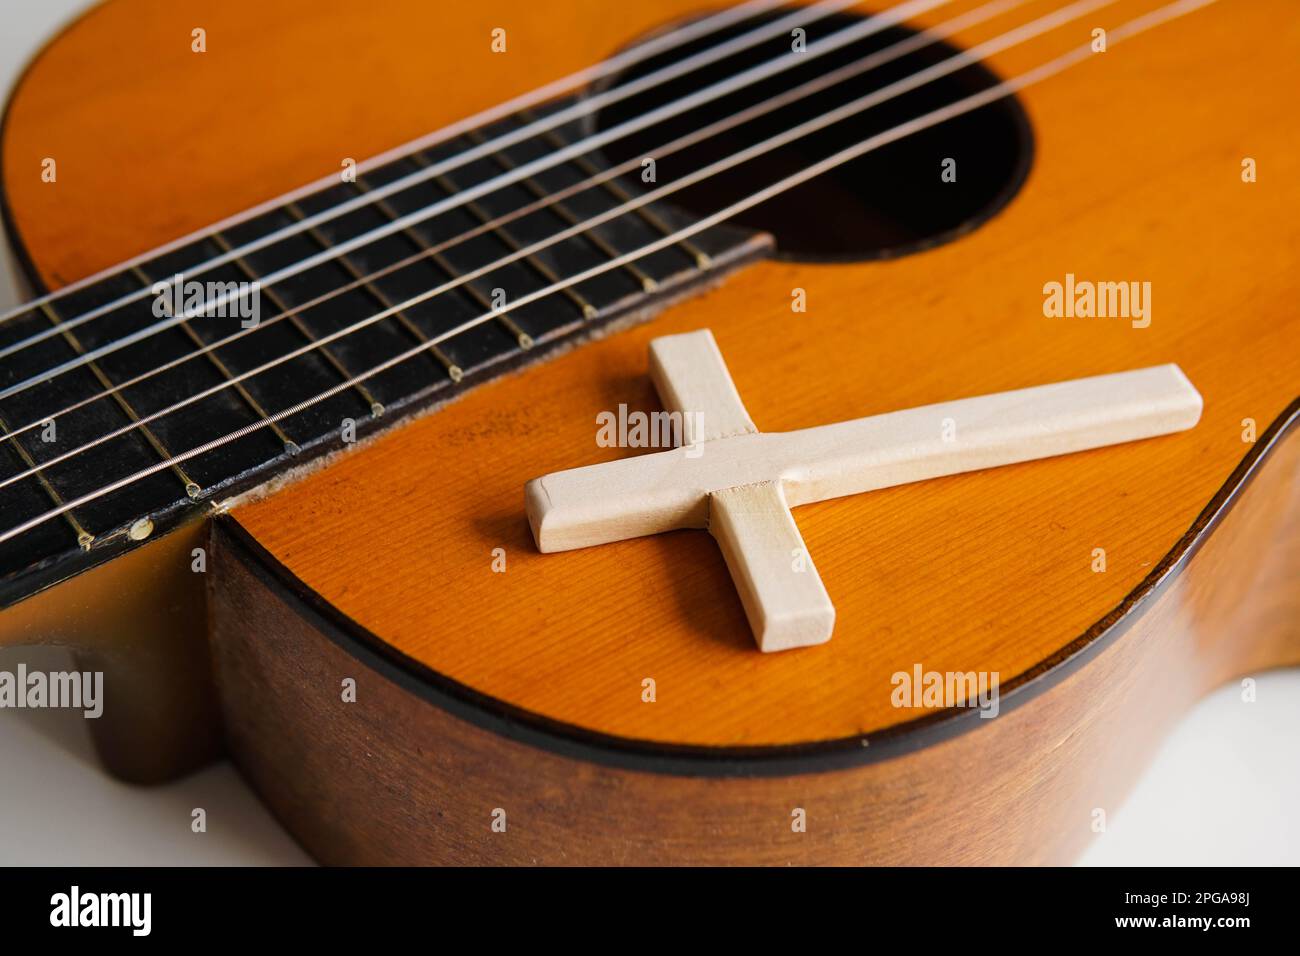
685	487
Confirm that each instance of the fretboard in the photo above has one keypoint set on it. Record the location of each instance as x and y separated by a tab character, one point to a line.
295	314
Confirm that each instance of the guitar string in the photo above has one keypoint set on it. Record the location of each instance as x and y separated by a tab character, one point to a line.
857	31
888	54
1052	67
958	61
583	107
652	46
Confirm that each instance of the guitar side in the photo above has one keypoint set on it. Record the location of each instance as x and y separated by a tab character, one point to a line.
415	770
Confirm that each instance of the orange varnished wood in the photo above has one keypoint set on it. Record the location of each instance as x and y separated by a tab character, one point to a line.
1136	177
141	620
154	141
1021	789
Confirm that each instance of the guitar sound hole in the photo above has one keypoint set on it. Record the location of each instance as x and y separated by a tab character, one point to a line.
890	202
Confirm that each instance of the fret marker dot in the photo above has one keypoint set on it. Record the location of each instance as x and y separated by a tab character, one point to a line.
140	530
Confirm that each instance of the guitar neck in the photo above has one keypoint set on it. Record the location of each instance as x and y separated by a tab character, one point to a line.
233	330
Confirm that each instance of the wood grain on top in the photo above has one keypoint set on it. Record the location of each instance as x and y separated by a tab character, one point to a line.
1136	177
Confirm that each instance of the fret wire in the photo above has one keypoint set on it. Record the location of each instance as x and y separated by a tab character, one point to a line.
819	10
519	335
503	318
189	484
615	189
588	310
375	405
436	355
84	537
577	80
671	240
224	369
644	279
907	128
806	89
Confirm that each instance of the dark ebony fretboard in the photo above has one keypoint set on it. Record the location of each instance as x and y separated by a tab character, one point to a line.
99	529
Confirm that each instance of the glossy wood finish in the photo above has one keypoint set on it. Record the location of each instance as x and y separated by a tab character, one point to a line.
395	778
985	572
1136	177
141	620
154	141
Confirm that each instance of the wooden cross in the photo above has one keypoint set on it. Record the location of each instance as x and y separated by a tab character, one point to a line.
741	483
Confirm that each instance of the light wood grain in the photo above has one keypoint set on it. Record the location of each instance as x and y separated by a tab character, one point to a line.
739	482
691	379
670	490
784	598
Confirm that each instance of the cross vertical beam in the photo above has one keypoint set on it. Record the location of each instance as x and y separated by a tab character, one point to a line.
783	596
782	593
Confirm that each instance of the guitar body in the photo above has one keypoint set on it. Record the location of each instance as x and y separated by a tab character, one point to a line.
495	682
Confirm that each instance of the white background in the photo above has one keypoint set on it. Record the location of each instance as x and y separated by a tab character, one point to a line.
1225	788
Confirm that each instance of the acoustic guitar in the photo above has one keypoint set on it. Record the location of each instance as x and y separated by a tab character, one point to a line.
657	433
